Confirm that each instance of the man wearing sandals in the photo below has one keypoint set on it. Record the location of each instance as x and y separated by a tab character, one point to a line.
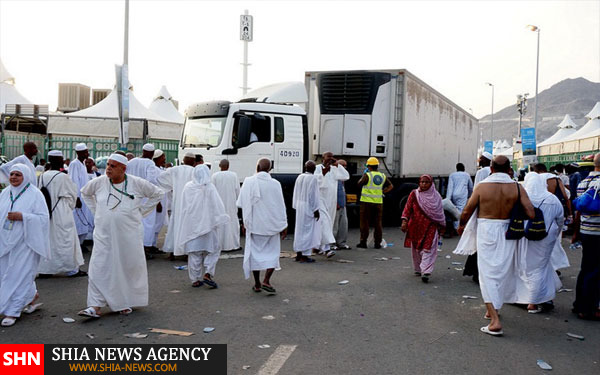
495	197
264	216
117	271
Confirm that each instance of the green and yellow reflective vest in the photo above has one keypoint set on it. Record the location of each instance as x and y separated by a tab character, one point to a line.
372	192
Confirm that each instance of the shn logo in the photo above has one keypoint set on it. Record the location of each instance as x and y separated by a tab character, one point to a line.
21	358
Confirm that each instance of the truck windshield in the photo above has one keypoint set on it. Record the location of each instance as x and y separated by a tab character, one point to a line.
203	132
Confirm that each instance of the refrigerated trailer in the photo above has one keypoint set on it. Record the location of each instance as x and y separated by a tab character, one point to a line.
389	114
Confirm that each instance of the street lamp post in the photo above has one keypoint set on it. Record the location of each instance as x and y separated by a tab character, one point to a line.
537	72
492	86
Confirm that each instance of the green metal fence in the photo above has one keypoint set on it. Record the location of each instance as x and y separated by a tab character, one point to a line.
12	145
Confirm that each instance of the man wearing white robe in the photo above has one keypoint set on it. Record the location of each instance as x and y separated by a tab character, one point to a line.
84	219
228	186
173	180
202	217
65	251
23	241
144	167
494	198
537	282
328	174
29	152
117	271
161	216
460	188
265	221
307	232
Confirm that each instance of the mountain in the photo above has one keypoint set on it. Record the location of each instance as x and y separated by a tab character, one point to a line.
575	97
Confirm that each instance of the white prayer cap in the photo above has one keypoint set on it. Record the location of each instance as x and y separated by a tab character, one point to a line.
157	154
148	147
118	158
80	147
55	153
189	155
487	155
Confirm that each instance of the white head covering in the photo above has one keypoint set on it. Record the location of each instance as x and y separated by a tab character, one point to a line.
80	147
148	147
201	174
189	155
487	155
27	177
119	158
157	154
536	188
55	153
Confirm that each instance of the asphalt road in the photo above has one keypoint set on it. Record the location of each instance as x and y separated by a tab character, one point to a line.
383	321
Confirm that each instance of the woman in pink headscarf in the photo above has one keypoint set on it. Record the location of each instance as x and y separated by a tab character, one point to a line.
423	221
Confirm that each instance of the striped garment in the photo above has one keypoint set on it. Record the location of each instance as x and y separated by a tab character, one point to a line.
590	224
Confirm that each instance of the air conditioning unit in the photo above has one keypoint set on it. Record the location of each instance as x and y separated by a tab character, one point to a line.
99	94
73	97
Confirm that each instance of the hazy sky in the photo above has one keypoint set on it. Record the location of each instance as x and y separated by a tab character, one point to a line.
193	47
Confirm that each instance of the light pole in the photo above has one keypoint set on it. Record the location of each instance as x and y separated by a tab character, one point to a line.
492	86
537	73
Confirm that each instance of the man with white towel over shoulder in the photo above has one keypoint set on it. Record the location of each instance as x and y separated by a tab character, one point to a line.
494	199
228	186
84	219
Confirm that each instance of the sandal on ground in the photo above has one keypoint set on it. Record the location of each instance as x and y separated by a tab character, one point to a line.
8	321
269	289
256	289
90	312
425	278
79	273
486	329
30	309
307	260
211	283
417	273
126	311
197	284
344	247
330	253
537	310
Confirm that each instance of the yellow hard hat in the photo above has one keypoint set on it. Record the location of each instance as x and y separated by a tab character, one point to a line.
372	161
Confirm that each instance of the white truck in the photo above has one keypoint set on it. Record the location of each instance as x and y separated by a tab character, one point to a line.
389	114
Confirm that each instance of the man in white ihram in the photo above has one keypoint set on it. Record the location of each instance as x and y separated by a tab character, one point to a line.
203	217
65	251
460	188
145	168
263	212
117	272
174	180
228	186
307	233
84	219
328	174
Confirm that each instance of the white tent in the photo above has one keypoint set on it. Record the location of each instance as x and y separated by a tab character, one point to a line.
590	127
164	107
508	153
102	120
565	129
8	92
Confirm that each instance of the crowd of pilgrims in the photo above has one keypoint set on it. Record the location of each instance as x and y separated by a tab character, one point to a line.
49	213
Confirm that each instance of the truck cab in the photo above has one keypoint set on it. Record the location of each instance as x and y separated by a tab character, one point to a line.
264	124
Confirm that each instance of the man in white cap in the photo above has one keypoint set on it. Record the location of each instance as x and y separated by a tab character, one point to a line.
228	186
84	219
174	180
144	167
265	220
65	251
161	218
118	275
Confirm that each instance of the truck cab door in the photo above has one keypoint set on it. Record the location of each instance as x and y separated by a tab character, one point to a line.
287	146
259	143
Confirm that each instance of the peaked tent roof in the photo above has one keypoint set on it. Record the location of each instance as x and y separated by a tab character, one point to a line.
565	129
164	107
8	92
109	108
5	76
586	131
595	112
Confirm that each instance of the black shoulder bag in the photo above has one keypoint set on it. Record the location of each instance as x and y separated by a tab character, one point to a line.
516	227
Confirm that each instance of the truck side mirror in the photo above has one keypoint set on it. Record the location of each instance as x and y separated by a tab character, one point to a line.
244	129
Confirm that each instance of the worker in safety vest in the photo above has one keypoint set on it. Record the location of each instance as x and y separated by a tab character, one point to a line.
374	186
